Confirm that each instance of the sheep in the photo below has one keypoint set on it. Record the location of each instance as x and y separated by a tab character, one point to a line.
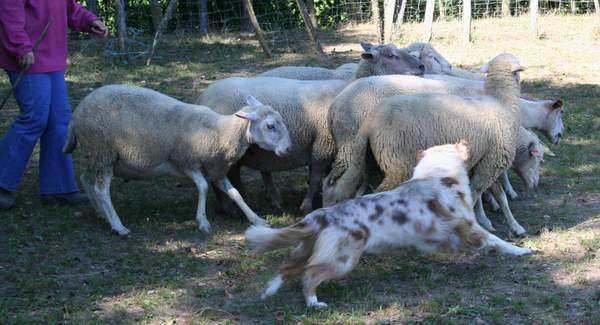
135	132
358	99
303	105
529	155
401	125
343	72
435	63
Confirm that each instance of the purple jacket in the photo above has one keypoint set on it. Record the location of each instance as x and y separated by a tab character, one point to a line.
22	22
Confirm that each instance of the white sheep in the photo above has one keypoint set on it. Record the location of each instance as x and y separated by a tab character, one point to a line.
343	72
134	132
435	63
401	125
388	54
304	106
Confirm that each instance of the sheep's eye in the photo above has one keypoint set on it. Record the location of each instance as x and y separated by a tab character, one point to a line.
436	59
271	126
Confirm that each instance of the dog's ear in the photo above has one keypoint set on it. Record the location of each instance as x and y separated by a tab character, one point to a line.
463	149
419	155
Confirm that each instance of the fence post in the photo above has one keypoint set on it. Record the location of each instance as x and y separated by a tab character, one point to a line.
505	8
466	21
309	26
442	5
400	18
121	26
376	19
161	27
533	12
256	26
388	19
428	21
597	9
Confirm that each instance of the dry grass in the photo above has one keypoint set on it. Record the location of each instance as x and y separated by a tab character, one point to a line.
61	265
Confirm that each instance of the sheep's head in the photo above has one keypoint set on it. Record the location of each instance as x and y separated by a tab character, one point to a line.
504	62
528	160
434	62
553	124
266	128
388	59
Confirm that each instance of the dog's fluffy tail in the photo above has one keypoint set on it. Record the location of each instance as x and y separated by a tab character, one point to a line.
264	239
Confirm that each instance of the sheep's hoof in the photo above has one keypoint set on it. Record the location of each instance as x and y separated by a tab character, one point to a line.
318	305
519	231
123	231
306	206
205	228
512	195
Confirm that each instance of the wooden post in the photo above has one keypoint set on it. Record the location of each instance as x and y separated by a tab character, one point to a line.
573	7
309	27
533	12
256	26
505	8
156	12
203	17
388	19
466	21
376	18
442	5
597	9
429	20
399	18
161	27
121	25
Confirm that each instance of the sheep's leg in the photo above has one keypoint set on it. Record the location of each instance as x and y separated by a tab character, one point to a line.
482	219
101	190
507	186
202	186
316	173
500	196
224	185
490	199
272	190
224	204
89	191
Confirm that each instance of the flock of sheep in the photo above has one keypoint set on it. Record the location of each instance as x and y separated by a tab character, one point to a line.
357	127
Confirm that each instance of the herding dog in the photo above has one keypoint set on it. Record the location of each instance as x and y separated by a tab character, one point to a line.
431	212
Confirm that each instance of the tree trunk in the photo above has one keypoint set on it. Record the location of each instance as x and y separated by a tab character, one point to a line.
256	26
121	25
442	5
466	21
376	18
161	27
156	13
428	20
92	5
309	27
399	18
310	5
388	19
505	8
533	12
203	17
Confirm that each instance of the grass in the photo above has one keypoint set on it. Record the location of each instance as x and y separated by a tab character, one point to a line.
63	265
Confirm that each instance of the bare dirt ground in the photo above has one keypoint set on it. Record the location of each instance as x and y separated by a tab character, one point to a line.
63	265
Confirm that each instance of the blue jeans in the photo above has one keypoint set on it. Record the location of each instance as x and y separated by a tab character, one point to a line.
44	115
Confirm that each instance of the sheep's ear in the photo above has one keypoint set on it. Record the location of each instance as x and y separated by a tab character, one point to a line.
247	113
420	155
485	68
366	46
252	101
557	103
463	149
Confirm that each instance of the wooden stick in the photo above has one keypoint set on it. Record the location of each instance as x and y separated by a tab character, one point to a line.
257	30
309	27
161	27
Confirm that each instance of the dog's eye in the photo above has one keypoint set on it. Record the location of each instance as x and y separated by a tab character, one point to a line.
271	126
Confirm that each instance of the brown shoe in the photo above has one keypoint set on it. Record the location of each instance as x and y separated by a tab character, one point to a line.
75	198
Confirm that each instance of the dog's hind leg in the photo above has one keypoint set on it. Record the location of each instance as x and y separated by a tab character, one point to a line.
293	267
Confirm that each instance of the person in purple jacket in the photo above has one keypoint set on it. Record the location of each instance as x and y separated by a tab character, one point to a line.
42	94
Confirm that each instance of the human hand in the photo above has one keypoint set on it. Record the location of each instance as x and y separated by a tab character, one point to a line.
99	28
27	60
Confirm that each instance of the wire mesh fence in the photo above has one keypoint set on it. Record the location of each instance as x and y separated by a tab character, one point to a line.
282	21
